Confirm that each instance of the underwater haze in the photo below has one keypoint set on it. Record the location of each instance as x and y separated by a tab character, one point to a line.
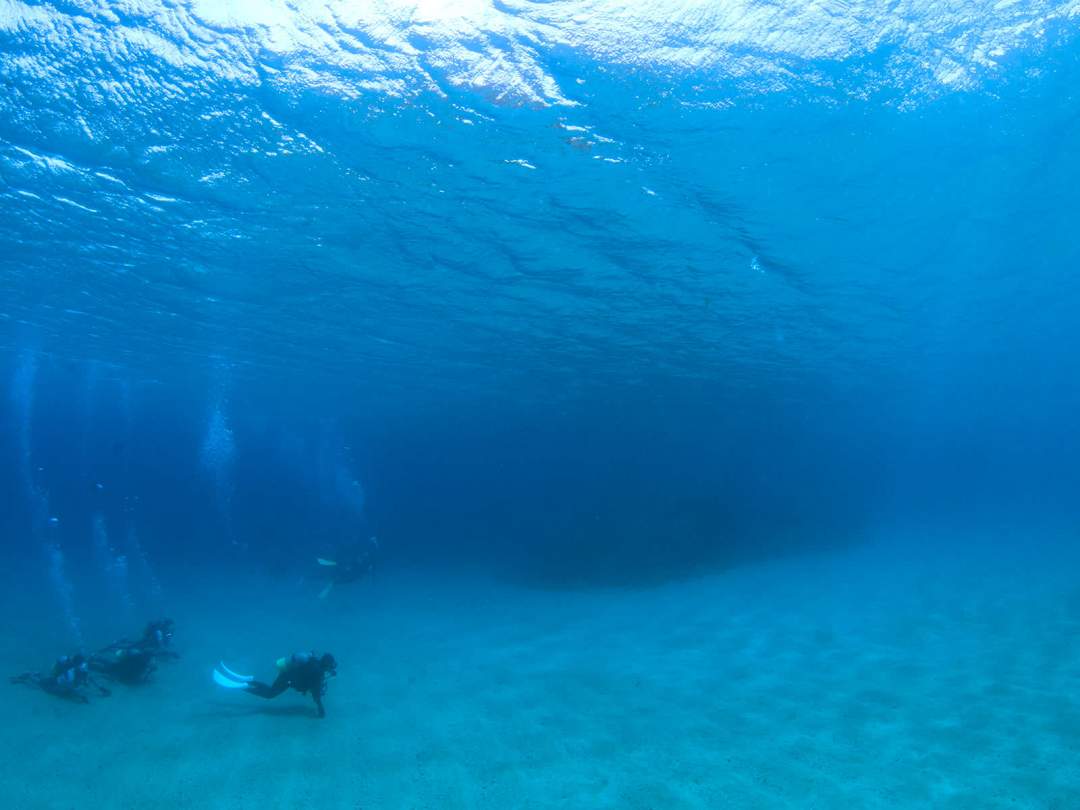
696	381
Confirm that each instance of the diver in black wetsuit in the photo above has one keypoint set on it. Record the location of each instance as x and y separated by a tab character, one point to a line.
351	563
69	677
133	662
304	672
123	662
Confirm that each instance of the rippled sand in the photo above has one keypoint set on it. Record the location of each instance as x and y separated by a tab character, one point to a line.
855	680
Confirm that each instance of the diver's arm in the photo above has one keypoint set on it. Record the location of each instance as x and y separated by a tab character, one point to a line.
101	689
318	688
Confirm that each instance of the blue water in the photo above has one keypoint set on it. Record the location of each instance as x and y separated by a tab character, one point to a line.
567	296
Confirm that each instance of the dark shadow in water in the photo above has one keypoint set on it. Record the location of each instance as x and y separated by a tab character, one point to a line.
240	710
115	685
649	550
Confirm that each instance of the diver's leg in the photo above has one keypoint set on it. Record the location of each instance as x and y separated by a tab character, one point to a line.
318	704
260	689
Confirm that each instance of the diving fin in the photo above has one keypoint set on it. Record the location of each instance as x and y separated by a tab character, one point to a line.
228	683
325	592
324	561
233	675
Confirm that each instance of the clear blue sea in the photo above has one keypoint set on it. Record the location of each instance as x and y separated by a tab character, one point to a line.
697	383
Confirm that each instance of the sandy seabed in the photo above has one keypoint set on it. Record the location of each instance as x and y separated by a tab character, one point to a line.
860	679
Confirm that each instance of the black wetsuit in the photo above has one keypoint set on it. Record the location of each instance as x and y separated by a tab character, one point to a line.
305	673
126	663
133	662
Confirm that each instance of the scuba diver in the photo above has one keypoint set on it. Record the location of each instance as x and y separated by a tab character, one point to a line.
155	641
351	563
305	672
69	677
133	662
126	663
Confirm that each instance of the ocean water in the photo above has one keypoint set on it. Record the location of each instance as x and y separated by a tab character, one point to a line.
707	372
